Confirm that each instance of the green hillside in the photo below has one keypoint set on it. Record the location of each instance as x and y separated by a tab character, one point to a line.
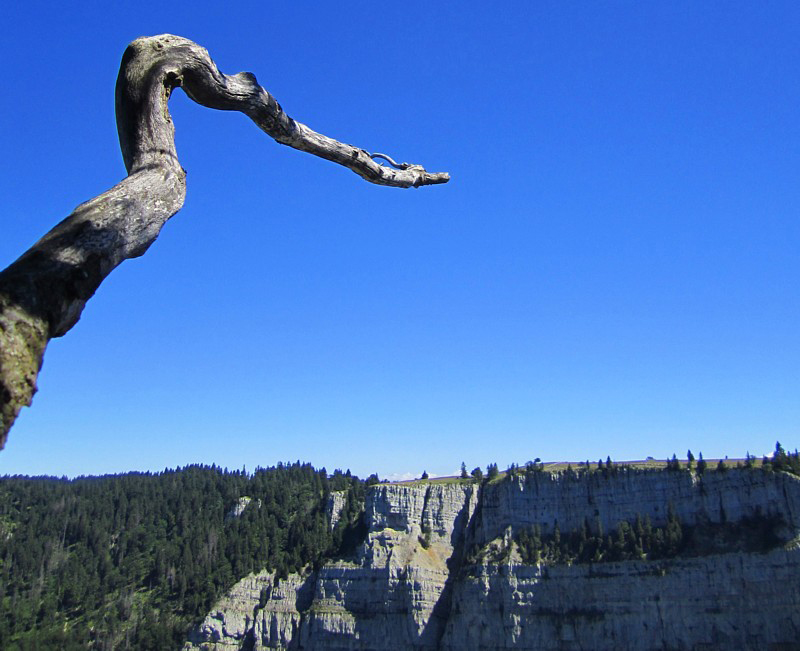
132	561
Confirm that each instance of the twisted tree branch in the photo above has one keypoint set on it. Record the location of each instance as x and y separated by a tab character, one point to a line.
43	293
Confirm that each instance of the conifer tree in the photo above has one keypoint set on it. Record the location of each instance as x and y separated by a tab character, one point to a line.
701	464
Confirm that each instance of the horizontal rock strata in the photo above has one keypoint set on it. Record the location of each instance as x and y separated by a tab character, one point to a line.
410	585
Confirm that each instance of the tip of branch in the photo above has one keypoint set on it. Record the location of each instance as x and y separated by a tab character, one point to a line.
433	179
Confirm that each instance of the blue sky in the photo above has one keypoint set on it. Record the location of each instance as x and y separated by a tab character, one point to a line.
613	269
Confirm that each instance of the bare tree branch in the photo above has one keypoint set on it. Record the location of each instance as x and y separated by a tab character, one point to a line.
43	293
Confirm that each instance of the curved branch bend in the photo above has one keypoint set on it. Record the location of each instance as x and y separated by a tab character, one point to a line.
43	293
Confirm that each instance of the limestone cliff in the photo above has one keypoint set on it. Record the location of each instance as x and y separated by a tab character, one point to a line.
415	582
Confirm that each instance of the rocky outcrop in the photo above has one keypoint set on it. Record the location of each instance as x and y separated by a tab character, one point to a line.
336	502
229	624
238	508
391	594
415	583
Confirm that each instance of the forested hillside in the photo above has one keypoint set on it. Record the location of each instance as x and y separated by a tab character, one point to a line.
132	561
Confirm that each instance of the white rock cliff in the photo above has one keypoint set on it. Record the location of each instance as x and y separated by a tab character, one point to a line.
410	587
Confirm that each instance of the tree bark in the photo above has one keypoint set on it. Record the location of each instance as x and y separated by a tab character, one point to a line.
43	293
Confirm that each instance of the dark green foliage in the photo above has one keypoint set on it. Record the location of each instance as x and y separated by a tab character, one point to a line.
424	474
477	473
351	528
464	474
533	467
673	464
701	464
425	538
781	460
608	470
641	541
491	471
132	561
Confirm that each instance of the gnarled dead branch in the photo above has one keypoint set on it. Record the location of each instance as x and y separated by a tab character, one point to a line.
43	293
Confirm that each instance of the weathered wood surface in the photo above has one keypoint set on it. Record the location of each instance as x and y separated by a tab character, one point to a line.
43	293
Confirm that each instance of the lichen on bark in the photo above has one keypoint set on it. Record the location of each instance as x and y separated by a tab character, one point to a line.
43	293
23	338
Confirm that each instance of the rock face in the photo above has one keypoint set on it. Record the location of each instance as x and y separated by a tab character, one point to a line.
410	585
336	503
228	625
239	507
728	601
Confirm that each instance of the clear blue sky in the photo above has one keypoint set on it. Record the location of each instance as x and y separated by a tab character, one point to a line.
613	269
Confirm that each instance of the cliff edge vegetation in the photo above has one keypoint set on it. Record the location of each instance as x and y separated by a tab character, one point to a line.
144	560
